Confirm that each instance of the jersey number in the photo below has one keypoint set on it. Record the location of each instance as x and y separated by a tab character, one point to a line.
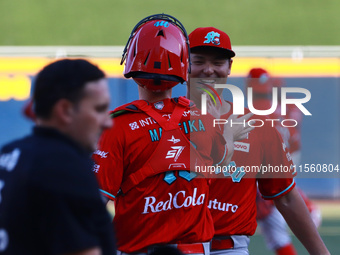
237	172
170	176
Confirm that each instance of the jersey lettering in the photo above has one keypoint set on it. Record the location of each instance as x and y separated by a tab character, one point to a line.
224	207
186	126
192	126
175	152
9	160
153	206
161	24
154	135
147	121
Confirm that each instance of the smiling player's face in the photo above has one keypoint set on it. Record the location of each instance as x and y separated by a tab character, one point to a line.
208	67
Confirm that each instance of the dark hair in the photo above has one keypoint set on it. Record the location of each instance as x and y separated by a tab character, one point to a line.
223	54
62	79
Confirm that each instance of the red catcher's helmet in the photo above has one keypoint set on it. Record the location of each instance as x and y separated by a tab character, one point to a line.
157	53
260	80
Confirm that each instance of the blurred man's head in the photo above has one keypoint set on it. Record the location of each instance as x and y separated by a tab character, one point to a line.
157	53
262	82
73	97
259	80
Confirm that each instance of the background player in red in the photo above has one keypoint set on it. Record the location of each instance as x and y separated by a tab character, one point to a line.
232	199
262	84
143	162
272	225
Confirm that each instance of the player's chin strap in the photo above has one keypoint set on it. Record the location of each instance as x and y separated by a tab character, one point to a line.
158	161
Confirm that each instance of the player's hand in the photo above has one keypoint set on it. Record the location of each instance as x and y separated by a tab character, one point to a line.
239	127
214	110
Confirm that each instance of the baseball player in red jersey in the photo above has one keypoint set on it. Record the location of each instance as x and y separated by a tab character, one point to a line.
143	162
272	225
262	84
232	200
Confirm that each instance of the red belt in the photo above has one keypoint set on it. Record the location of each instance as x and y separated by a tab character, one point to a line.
191	248
222	244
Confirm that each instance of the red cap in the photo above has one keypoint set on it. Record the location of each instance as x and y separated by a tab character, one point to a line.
259	73
211	37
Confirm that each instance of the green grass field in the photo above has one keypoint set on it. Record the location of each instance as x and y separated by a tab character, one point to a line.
109	22
329	231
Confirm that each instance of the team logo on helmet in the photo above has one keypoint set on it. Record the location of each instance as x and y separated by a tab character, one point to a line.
212	37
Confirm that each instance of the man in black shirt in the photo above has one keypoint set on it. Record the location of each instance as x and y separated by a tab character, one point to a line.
49	198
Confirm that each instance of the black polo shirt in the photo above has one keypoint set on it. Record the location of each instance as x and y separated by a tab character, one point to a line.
50	203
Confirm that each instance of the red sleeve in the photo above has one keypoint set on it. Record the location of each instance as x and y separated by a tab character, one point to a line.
219	150
109	160
276	179
263	207
211	143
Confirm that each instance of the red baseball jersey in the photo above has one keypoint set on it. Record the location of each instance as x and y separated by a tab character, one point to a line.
169	207
232	200
263	207
290	135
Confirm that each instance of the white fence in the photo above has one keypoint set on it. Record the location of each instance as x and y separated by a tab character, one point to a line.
116	51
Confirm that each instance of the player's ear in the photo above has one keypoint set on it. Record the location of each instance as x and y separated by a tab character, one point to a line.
63	110
230	64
